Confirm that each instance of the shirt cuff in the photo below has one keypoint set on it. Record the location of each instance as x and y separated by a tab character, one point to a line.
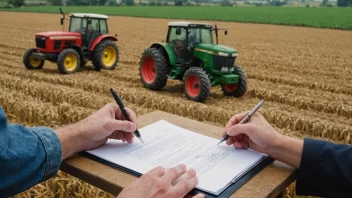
53	150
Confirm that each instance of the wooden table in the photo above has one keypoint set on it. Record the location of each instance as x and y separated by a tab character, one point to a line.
270	182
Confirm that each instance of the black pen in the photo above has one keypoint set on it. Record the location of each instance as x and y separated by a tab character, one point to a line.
245	119
122	107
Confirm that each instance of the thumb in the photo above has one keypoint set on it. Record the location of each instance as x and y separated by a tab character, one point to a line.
239	129
122	125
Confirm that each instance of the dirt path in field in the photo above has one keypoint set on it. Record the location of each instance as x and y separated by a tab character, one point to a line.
304	74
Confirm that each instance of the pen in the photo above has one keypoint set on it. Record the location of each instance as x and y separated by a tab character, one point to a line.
122	107
245	119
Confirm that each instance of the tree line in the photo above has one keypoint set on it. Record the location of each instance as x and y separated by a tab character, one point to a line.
19	3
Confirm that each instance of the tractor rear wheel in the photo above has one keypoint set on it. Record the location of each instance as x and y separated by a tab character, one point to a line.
30	62
68	61
153	69
196	84
105	55
238	89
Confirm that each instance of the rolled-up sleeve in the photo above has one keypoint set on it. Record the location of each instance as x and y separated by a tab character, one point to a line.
27	156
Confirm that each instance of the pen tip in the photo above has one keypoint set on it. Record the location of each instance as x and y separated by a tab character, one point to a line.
141	140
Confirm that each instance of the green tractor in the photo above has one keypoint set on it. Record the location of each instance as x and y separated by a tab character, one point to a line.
190	56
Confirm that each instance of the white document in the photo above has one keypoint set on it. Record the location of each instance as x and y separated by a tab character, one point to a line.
168	145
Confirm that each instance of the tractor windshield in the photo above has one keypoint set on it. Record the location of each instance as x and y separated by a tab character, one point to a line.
78	25
199	35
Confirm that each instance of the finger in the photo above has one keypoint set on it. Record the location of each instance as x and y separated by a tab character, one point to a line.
121	125
187	175
129	137
240	138
172	174
239	129
116	135
231	140
235	119
157	171
184	186
131	115
123	138
245	145
237	145
199	196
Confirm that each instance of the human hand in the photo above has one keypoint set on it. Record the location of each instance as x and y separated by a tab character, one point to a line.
95	130
163	183
257	133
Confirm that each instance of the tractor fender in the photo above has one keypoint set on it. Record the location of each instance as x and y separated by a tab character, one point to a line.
100	38
79	51
171	56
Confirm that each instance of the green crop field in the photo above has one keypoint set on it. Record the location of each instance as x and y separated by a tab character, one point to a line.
337	18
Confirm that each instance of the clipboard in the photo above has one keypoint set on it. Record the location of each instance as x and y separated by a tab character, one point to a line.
225	193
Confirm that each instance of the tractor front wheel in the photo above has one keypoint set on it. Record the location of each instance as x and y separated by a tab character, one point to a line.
68	61
238	89
196	84
153	69
105	55
30	62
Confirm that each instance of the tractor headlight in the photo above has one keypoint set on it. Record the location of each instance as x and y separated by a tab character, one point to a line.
234	54
223	54
43	37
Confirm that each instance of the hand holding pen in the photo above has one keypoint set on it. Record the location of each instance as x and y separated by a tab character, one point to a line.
124	112
245	119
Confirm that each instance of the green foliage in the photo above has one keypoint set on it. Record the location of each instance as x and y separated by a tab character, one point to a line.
77	2
129	2
55	2
16	3
112	2
85	2
337	18
277	2
225	3
344	3
325	2
178	3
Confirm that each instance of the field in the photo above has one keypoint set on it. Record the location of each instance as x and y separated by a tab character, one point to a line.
337	18
303	74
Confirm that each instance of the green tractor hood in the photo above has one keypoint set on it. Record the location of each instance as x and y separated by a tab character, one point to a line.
215	49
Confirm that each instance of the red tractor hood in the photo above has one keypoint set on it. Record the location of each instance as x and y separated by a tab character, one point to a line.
62	35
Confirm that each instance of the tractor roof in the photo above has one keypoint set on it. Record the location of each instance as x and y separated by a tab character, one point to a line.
186	23
89	15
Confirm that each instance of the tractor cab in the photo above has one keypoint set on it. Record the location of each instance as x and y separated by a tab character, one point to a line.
183	37
191	56
89	25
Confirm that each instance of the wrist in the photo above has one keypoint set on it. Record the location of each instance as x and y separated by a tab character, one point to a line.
70	140
277	146
288	150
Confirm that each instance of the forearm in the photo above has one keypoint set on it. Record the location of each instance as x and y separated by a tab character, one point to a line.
289	150
70	139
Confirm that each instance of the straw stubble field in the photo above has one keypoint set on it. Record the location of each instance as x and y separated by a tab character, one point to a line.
304	74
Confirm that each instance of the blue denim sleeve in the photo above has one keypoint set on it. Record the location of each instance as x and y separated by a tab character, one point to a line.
28	156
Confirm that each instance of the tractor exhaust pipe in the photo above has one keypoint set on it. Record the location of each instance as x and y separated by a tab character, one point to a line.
62	20
216	33
216	29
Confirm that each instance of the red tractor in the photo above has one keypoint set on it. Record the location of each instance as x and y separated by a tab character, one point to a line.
87	39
